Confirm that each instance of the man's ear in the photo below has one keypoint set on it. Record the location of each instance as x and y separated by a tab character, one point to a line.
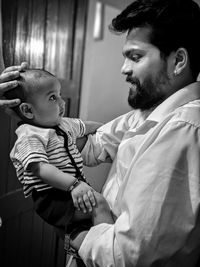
181	60
26	110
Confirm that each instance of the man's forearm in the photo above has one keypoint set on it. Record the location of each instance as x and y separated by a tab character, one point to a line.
77	240
101	213
80	142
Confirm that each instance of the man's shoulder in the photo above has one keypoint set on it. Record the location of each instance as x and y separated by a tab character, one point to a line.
189	113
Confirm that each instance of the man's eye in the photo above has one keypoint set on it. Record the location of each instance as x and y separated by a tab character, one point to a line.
135	58
53	98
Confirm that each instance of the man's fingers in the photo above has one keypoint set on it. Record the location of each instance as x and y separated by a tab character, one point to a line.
91	197
75	201
81	204
23	66
12	68
7	86
8	76
9	103
87	202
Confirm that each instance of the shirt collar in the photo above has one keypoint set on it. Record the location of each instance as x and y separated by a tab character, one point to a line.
180	98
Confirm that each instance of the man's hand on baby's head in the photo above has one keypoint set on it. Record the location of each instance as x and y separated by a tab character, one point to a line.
23	66
8	82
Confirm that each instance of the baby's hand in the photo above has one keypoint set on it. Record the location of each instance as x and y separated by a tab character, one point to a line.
91	126
83	197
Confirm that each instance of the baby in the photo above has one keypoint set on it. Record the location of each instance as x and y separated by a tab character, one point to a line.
47	161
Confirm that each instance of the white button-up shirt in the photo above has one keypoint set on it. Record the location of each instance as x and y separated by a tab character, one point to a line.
153	187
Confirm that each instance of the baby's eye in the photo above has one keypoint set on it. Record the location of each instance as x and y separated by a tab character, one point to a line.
53	98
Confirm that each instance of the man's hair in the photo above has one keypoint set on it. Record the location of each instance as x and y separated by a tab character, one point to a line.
28	83
174	24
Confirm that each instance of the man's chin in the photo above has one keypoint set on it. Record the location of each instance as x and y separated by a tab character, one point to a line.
137	103
134	102
143	105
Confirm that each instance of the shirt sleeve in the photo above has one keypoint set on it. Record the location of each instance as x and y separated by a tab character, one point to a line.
159	202
30	147
104	143
75	126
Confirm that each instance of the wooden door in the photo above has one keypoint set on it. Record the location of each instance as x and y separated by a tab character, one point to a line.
48	34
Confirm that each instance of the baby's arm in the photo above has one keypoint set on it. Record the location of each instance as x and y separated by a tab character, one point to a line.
90	128
53	176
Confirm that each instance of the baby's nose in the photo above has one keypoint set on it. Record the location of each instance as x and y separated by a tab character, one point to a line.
61	102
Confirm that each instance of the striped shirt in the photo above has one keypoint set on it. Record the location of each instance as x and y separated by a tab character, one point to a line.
36	144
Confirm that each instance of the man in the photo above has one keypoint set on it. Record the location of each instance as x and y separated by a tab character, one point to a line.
153	187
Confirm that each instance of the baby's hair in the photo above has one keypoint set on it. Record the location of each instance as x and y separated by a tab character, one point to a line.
28	82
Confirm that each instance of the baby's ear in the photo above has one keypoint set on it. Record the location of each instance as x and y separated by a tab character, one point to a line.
26	110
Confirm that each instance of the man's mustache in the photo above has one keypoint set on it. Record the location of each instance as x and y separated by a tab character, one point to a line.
129	79
132	80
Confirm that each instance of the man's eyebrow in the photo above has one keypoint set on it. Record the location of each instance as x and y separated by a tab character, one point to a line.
131	51
127	53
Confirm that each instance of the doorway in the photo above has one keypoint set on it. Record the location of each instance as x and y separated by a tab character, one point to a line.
48	34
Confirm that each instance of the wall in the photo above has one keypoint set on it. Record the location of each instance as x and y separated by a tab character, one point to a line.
120	4
104	91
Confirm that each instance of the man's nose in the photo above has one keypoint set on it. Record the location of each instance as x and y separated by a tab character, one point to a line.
127	68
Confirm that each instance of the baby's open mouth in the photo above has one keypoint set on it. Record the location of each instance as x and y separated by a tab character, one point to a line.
62	112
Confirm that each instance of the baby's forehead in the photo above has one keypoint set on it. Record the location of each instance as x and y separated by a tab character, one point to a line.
38	82
36	75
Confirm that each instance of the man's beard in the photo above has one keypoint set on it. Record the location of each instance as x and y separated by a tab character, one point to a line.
147	95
